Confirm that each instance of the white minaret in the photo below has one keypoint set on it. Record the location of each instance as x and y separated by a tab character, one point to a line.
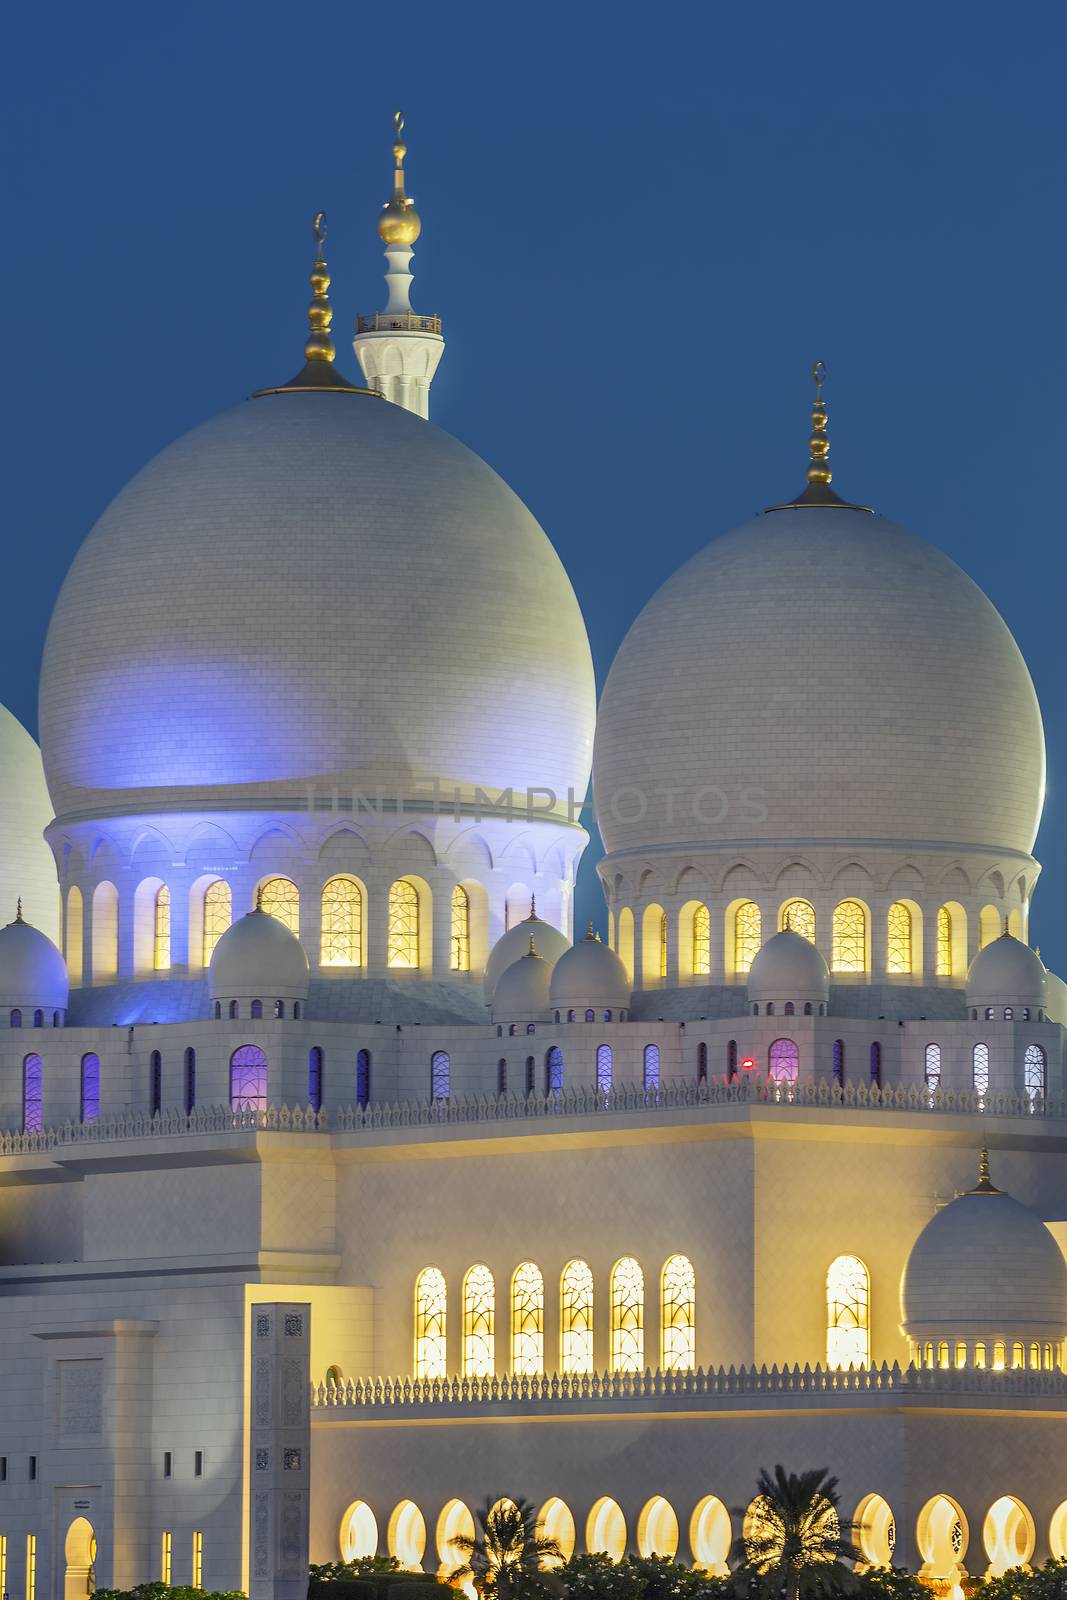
397	348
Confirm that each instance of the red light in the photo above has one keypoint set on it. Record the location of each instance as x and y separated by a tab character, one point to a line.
748	1063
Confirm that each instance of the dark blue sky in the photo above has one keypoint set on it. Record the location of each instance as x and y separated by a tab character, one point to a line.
641	224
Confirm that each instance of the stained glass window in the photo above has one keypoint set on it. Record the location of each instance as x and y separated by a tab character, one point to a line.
747	935
876	1063
315	1077
218	914
1034	1073
848	1295
531	1075
190	1081
528	1320
627	1316
933	1065
161	938
341	943
944	942
554	1070
678	1315
783	1061
898	947
663	945
430	1314
32	1094
155	1091
362	1078
280	898
576	1318
603	1068
479	1315
248	1079
90	1088
980	1069
403	946
461	930
799	916
849	948
652	1066
839	1062
440	1075
701	942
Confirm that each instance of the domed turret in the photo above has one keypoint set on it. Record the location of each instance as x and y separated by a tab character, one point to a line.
522	991
514	944
788	968
985	1270
33	974
589	977
1006	973
258	959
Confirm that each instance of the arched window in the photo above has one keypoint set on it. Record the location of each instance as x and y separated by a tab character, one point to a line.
161	930
678	1315
627	1316
255	1011
404	942
799	917
783	1061
502	1076
38	1019
849	946
604	1069
341	941
576	1318
440	1075
218	914
747	935
90	1088
663	945
248	1079
280	898
430	1313
16	1018
528	1320
651	1067
479	1317
155	1084
105	932
848	1304
839	1062
189	1096
74	934
315	1077
933	1066
876	1063
554	1070
32	1094
233	1009
980	1069
531	1075
944	942
989	926
590	1015
279	1008
701	942
898	947
789	1009
702	1062
362	1079
461	930
1034	1074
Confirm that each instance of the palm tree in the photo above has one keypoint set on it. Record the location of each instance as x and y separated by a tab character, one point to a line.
507	1558
796	1543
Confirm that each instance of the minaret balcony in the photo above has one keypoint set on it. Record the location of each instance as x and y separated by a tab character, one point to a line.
398	322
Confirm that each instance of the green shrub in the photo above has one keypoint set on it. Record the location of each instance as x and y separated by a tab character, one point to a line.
165	1591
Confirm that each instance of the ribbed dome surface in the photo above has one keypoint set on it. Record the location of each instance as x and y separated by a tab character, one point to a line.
314	590
32	971
589	976
258	958
514	944
522	991
788	967
1006	972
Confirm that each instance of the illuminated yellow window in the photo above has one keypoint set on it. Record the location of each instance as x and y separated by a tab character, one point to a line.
849	949
430	1311
528	1320
1017	1356
942	1353
74	935
280	898
701	942
461	930
31	1566
961	1354
198	1560
798	915
576	1318
403	948
165	1557
747	935
898	947
663	945
627	1316
1000	1356
161	939
3	1563
678	1315
979	1356
944	942
479	1316
989	926
342	923
848	1305
218	914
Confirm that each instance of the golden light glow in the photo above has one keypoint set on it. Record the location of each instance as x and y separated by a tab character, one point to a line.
663	945
406	1535
359	1532
678	1315
898	948
710	1536
576	1318
430	1315
625	948
165	1548
799	917
461	930
944	942
657	1529
479	1317
848	1308
849	946
747	935
701	941
198	1560
72	943
942	1537
455	1522
161	930
341	943
280	898
218	914
989	926
605	1529
627	1316
555	1521
31	1566
403	947
528	1320
876	1531
1057	1533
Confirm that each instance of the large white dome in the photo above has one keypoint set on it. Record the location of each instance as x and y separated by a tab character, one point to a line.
314	590
27	870
819	676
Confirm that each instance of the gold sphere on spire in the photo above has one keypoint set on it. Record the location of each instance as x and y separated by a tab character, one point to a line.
399	223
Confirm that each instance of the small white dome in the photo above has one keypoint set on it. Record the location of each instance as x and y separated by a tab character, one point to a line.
1006	973
514	944
985	1267
27	867
259	959
589	976
522	991
33	974
788	967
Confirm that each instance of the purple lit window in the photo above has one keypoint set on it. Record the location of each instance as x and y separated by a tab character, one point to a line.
783	1061
604	1068
38	1019
155	1093
839	1062
257	1009
554	1070
502	1076
440	1075
248	1079
876	1063
32	1094
315	1078
16	1018
590	1016
90	1088
363	1078
190	1080
651	1066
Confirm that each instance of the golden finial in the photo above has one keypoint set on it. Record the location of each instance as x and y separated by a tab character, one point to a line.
818	491
1007	931
318	371
589	930
533	917
259	898
18	910
985	1184
533	950
399	222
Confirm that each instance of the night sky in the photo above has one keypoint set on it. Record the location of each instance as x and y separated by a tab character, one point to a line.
641	225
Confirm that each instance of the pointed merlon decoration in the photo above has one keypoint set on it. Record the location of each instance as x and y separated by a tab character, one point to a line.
818	491
985	1184
318	371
